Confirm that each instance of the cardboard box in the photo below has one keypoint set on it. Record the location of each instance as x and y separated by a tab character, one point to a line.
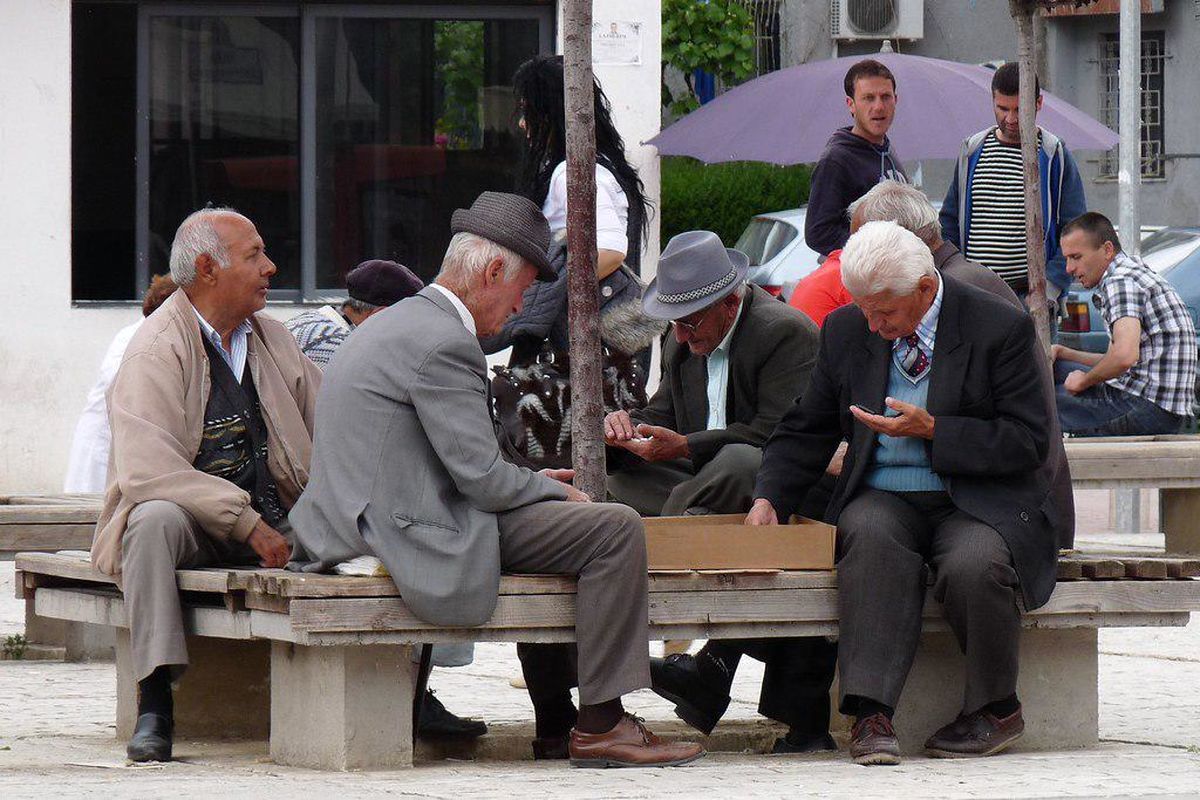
721	541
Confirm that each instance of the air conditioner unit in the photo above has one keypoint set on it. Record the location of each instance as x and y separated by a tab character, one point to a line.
877	19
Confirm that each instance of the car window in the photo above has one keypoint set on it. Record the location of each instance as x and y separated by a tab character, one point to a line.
753	241
1167	247
1185	277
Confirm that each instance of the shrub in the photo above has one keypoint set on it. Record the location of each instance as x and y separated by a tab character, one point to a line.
723	197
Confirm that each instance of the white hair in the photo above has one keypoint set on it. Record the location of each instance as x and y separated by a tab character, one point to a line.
197	236
892	201
884	257
469	254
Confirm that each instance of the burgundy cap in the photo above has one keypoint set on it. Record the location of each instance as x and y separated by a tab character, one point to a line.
382	283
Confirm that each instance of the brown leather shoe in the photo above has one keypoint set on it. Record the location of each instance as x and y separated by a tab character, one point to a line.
873	742
975	735
629	744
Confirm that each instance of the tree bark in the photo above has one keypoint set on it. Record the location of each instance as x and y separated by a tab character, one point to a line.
1035	237
583	297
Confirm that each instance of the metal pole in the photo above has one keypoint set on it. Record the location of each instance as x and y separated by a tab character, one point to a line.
1129	175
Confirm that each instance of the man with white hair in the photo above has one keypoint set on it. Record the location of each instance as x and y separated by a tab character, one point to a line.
407	467
934	385
211	413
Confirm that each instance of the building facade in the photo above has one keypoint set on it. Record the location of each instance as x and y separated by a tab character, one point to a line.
346	131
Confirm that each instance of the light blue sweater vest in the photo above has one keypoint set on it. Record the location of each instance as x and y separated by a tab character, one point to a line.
901	464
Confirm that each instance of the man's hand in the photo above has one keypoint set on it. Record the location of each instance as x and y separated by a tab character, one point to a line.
270	545
761	513
835	463
618	428
1076	382
655	443
565	476
912	421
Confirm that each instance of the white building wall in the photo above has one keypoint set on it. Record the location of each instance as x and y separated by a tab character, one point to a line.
50	351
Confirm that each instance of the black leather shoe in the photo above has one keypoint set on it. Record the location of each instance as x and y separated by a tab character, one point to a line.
437	721
552	748
151	739
806	744
698	701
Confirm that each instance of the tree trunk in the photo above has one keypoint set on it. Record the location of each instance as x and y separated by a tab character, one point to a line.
583	297
1023	12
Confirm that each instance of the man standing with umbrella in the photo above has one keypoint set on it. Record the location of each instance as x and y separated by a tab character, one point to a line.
855	158
984	210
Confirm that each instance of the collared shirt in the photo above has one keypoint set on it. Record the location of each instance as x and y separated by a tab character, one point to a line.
927	327
1165	372
468	321
235	356
718	375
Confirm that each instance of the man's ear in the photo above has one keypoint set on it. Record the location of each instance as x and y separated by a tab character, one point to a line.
493	273
206	268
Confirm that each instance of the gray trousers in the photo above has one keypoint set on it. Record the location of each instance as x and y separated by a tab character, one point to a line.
885	541
604	544
160	537
668	488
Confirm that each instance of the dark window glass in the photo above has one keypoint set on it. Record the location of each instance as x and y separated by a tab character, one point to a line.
224	128
414	117
103	143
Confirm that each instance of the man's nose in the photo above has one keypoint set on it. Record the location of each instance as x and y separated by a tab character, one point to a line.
271	268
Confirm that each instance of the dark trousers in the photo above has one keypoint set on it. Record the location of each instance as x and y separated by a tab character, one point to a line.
796	681
887	542
1105	410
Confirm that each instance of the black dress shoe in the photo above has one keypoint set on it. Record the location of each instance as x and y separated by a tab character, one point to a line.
974	735
552	748
698	701
151	739
437	721
804	744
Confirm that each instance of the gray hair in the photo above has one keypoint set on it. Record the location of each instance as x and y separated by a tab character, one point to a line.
892	201
197	236
360	306
884	257
468	255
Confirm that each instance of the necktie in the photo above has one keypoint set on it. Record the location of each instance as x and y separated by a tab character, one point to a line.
914	361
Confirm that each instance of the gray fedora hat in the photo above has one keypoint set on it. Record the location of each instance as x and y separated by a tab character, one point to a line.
694	271
511	221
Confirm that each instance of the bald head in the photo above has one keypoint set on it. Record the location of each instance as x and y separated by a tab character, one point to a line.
907	206
202	233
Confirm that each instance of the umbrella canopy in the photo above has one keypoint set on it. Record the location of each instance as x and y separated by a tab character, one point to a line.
786	117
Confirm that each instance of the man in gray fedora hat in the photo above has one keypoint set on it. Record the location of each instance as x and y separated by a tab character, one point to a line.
737	360
406	467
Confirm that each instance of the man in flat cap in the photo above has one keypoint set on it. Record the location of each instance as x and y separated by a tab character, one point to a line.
371	287
406	467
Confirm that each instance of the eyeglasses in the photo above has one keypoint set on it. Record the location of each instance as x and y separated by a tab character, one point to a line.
692	327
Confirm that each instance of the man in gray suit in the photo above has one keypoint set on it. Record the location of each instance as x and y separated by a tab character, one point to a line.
406	466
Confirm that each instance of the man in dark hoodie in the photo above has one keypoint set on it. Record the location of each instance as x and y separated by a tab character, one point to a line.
855	159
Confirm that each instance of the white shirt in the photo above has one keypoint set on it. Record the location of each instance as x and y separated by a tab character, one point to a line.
464	313
718	376
612	208
87	468
235	357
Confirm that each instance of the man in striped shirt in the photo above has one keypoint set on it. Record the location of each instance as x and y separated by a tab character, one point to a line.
984	210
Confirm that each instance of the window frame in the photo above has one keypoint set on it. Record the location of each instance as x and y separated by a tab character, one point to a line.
308	16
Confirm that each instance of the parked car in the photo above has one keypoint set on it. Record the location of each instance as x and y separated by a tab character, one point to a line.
1172	252
779	258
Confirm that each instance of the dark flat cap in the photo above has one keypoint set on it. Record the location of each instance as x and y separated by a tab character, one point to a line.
382	283
510	221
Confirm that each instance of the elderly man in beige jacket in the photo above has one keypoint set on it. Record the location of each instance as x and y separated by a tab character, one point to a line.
211	413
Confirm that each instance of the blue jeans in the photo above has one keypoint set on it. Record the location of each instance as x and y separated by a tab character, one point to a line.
1104	410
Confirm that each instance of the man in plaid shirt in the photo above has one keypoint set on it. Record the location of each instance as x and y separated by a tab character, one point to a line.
1145	382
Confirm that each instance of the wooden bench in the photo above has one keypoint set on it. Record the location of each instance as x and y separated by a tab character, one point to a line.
1170	464
321	664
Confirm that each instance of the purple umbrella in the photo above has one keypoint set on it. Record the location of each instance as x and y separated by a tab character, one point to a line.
786	117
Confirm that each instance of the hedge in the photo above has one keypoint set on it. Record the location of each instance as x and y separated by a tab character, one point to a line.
723	197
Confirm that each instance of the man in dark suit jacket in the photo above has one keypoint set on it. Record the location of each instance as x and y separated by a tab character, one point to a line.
737	360
935	385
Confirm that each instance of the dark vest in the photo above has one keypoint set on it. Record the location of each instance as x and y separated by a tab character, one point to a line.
234	445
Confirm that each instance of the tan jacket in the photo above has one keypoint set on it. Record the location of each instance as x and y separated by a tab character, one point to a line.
156	409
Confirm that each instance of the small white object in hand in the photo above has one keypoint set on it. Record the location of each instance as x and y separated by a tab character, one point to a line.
362	565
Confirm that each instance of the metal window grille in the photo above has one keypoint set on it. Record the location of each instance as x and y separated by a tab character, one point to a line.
1153	69
766	15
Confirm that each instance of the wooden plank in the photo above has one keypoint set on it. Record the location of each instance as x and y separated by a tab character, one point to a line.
1183	568
1121	597
105	607
61	566
1103	569
1145	568
1069	570
50	537
81	498
257	601
45	515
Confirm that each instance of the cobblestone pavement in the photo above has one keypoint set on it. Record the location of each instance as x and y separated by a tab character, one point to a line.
56	739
